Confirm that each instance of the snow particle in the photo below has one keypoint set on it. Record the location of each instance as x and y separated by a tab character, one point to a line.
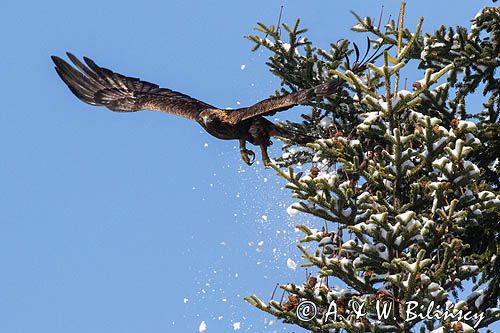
236	326
242	67
291	264
203	327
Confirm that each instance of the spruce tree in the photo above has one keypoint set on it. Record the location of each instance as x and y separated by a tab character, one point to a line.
403	177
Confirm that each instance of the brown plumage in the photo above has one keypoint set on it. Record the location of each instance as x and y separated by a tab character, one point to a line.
100	86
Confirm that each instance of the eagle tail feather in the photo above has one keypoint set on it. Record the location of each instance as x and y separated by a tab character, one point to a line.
294	136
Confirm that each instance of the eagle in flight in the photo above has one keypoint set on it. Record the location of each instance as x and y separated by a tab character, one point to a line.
100	86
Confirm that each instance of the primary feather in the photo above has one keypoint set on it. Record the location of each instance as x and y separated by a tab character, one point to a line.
100	86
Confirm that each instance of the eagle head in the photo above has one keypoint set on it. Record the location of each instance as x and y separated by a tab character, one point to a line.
206	119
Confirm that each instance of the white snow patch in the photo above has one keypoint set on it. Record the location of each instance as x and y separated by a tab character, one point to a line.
291	210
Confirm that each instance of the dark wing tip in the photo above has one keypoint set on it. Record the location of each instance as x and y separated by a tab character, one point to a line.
57	61
89	62
72	57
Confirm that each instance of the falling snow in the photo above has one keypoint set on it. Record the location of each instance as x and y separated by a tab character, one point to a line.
203	327
291	264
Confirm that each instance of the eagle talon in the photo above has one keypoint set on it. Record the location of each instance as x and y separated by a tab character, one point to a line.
265	157
248	156
267	163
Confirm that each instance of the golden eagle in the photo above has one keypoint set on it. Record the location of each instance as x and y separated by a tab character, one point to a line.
102	87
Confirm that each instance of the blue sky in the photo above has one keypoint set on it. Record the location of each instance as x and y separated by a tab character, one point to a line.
110	221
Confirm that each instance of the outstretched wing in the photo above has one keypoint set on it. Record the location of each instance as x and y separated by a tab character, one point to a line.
100	86
285	102
281	103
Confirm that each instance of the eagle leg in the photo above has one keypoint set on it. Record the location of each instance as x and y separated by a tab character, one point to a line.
265	156
247	155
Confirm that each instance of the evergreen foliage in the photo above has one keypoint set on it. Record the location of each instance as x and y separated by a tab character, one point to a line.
406	180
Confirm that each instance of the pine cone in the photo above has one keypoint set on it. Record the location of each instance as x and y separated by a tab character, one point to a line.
458	327
314	172
311	282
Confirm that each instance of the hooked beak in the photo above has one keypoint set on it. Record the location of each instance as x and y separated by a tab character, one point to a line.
205	119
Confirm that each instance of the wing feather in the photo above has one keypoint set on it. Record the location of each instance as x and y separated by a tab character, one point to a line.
100	86
285	102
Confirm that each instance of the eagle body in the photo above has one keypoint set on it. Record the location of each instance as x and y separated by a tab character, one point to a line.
100	86
217	123
256	130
